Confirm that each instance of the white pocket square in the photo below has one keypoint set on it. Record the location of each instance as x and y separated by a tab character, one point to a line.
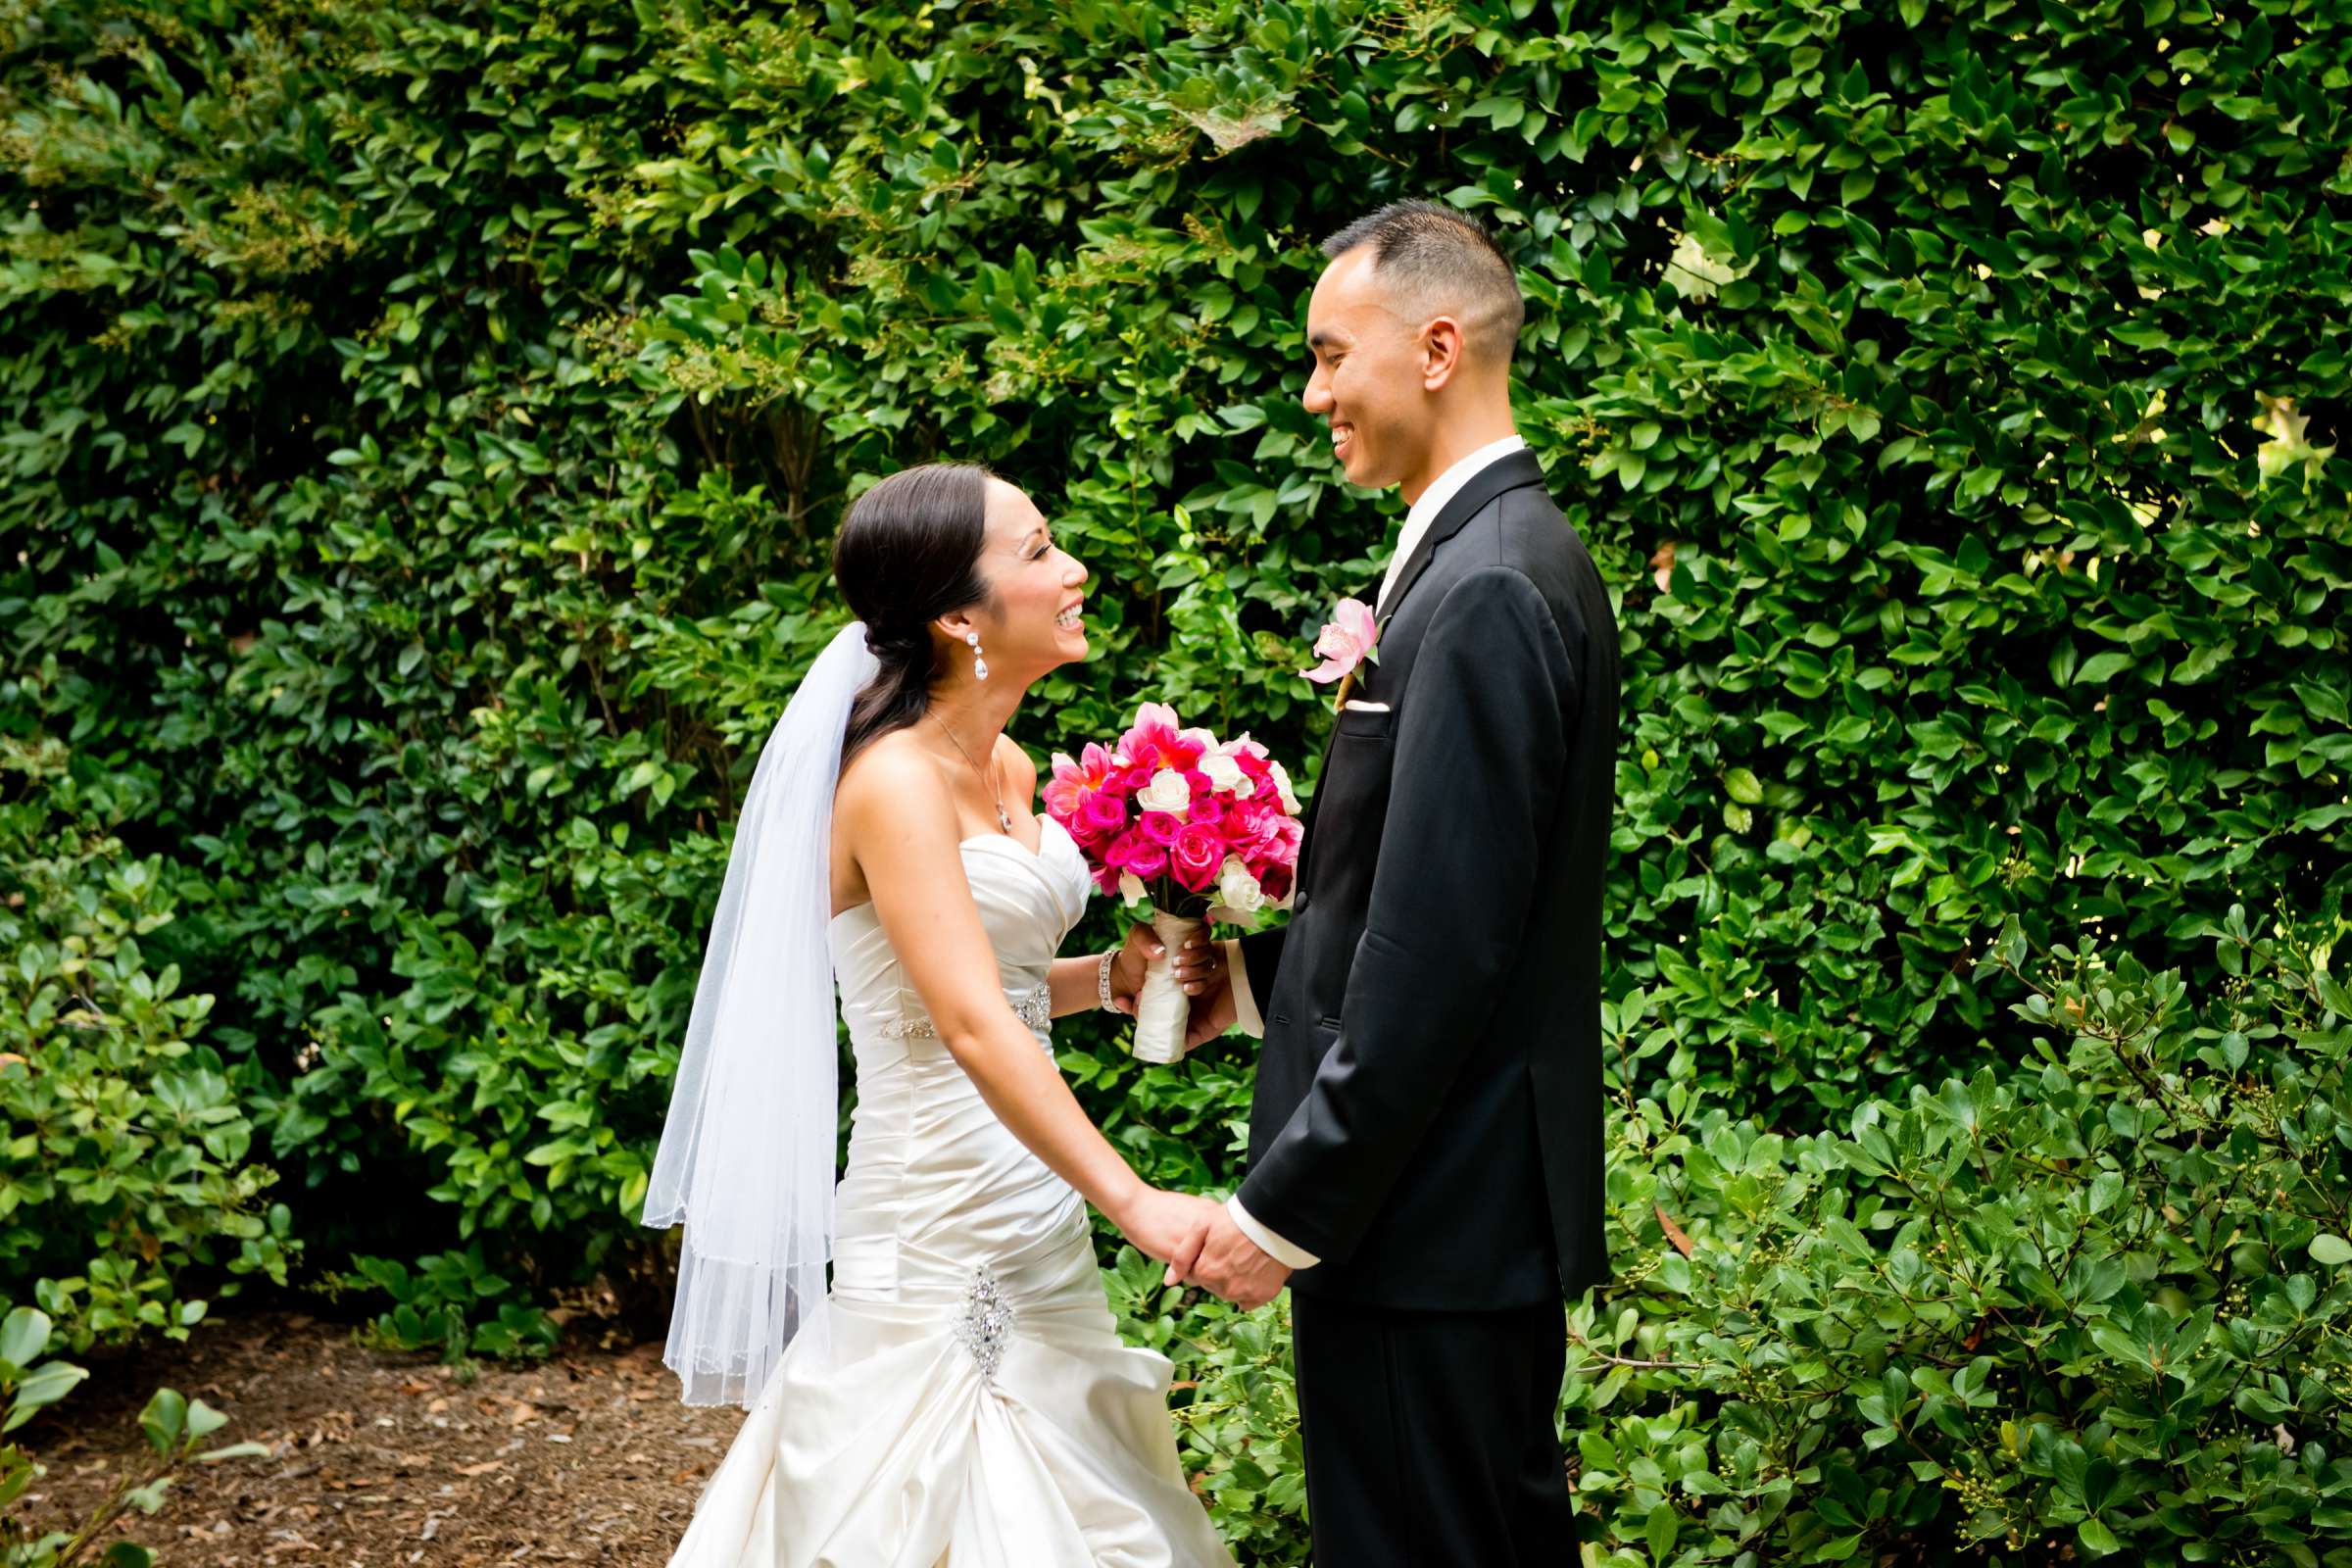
1354	707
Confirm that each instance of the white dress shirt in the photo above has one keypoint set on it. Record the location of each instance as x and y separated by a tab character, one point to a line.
1418	519
1424	511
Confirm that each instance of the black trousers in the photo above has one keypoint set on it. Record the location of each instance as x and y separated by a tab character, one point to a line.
1429	1436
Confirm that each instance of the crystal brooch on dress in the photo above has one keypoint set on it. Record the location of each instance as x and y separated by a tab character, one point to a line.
987	1321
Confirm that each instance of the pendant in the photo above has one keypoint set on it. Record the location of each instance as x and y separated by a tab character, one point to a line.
1002	820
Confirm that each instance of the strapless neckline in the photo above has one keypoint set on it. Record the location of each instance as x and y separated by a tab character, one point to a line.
1044	824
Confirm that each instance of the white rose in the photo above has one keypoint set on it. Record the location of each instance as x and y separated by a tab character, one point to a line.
1281	787
1131	888
1226	774
1237	889
1167	792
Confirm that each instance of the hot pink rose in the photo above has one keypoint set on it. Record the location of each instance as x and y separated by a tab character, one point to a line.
1206	810
1159	828
1249	824
1275	882
1283	847
1100	815
1196	856
1136	855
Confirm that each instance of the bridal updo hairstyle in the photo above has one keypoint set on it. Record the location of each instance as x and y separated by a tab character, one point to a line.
909	552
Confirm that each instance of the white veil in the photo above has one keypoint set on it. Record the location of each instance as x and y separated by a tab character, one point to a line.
746	1152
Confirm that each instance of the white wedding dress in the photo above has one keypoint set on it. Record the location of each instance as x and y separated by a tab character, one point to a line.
963	1399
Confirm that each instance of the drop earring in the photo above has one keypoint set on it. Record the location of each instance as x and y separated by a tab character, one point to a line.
979	665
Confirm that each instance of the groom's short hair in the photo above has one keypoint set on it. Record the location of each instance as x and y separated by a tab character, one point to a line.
1436	262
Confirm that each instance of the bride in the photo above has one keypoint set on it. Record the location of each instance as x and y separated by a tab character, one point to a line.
959	1397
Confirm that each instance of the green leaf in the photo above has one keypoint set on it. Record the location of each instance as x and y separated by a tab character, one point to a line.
1659	1530
2100	669
23	1336
165	1421
1501	111
38	1389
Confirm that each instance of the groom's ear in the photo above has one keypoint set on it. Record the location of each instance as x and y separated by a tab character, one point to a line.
1441	345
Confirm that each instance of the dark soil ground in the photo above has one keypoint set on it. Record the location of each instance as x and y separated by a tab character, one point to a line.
377	1459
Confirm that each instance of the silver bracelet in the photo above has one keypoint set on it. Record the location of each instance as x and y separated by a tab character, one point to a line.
1103	979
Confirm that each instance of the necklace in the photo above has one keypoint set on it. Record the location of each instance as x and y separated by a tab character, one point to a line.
992	781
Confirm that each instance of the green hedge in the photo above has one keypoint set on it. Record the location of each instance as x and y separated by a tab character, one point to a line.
2100	1311
129	1188
423	427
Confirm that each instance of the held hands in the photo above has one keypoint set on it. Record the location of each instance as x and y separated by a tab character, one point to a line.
1234	1267
1170	1227
1202	1246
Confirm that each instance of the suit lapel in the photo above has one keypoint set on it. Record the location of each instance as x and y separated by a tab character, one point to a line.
1515	471
1512	472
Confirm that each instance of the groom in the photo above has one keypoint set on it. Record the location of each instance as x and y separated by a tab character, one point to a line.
1425	1148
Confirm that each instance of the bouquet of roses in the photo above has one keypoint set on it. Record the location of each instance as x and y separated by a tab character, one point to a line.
1200	829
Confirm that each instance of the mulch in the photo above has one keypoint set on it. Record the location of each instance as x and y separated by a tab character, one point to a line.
378	1459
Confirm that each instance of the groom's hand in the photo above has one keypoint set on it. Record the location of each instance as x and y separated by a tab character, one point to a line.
1235	1267
1212	1015
1200	964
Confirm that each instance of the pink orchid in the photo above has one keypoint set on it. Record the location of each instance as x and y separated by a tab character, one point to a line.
1073	782
1154	743
1346	641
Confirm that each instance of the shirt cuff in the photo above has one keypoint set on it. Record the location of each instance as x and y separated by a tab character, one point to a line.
1244	1013
1273	1246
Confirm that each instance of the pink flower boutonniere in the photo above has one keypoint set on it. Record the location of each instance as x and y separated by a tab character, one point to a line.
1346	642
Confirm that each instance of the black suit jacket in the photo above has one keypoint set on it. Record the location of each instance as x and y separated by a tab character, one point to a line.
1428	1110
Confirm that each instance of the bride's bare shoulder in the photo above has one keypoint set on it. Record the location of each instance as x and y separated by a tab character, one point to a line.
894	774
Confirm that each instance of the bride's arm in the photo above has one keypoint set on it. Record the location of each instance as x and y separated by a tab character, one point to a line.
899	822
